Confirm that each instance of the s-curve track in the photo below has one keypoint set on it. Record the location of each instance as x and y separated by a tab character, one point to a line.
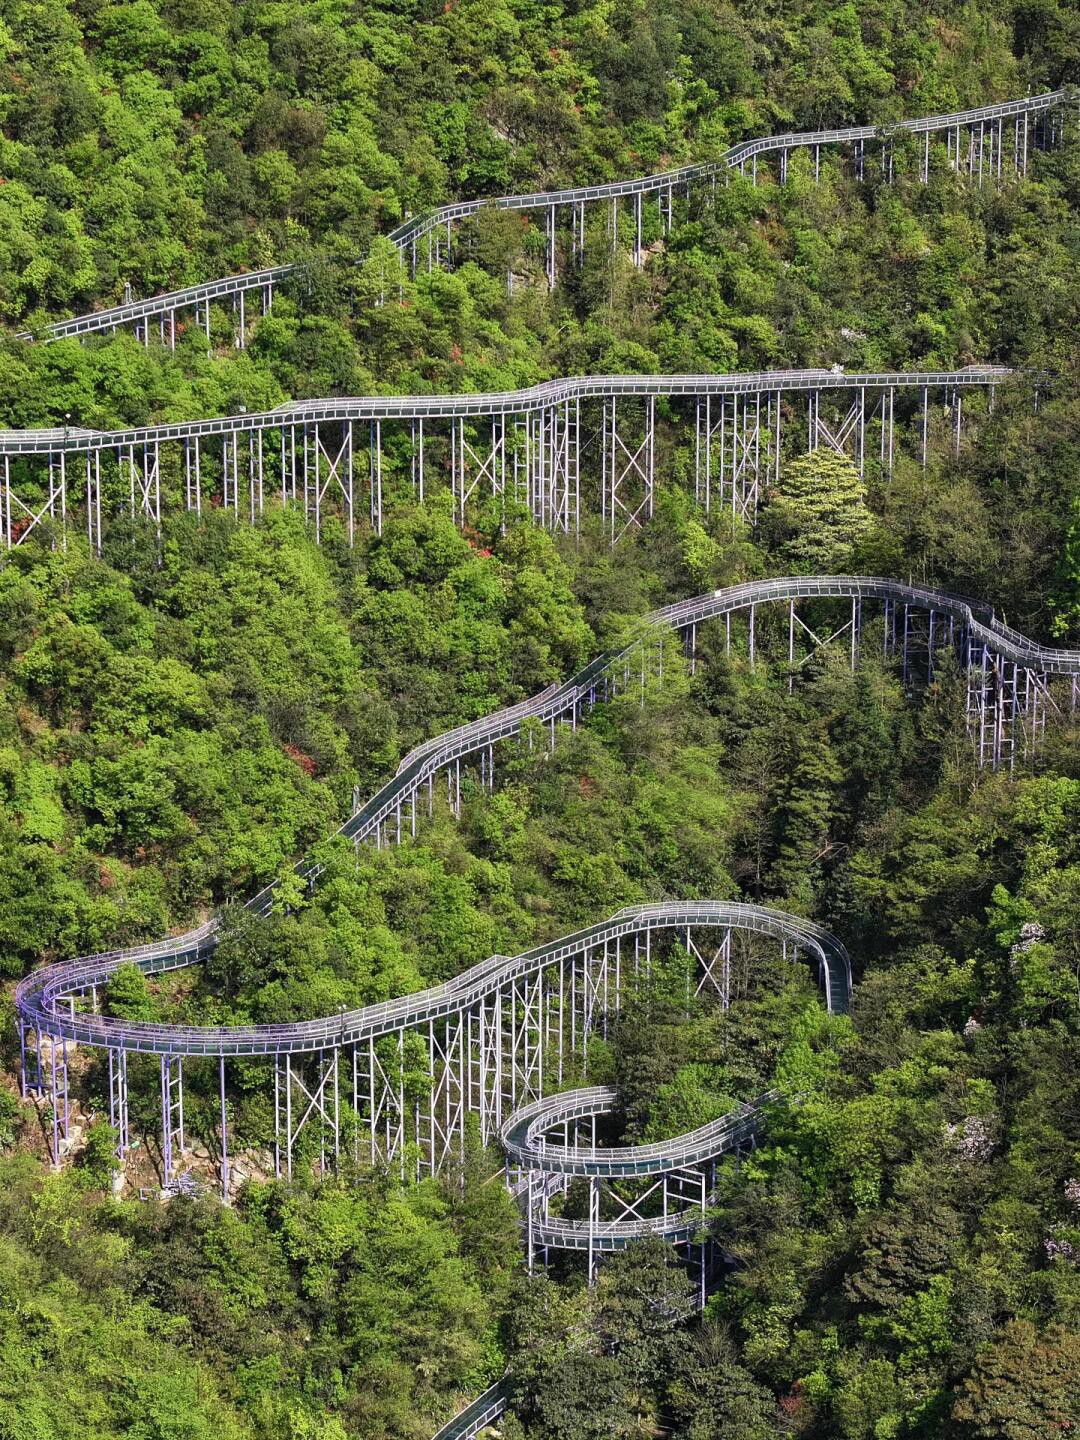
987	144
498	1035
395	1082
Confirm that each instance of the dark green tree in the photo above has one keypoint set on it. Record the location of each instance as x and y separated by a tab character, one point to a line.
1022	1387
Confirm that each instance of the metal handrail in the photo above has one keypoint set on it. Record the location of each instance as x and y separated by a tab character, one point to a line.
409	231
500	403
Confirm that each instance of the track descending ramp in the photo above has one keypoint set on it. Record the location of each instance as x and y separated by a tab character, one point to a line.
482	1057
987	143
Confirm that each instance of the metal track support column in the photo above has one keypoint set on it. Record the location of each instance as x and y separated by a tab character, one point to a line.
172	1115
118	1099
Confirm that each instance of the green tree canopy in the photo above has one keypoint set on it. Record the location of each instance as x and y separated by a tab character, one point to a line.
1023	1386
817	514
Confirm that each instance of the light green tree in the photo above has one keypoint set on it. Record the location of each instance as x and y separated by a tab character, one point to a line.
817	514
128	996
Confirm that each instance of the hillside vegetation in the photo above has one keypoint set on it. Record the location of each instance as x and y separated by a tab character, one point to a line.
180	719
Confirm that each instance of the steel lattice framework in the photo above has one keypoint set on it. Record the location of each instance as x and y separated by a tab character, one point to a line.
495	1036
560	449
662	1189
988	144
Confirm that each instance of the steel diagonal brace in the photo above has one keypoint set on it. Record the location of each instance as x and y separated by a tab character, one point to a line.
56	494
316	1098
388	1107
630	1209
708	973
446	1110
337	466
819	643
485	467
838	440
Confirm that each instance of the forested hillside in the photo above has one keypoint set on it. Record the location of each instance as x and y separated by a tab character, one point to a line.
182	717
159	144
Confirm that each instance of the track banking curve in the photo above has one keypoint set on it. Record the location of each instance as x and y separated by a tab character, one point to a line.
406	235
523	1135
46	1000
549	1167
41	997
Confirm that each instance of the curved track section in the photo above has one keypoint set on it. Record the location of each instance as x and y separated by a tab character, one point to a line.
658	1189
498	1036
524	1136
680	1173
490	1033
538	1170
998	140
42	998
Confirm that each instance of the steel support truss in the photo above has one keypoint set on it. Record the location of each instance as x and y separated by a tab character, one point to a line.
628	477
552	463
561	460
478	461
404	1097
1007	709
307	1093
736	451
